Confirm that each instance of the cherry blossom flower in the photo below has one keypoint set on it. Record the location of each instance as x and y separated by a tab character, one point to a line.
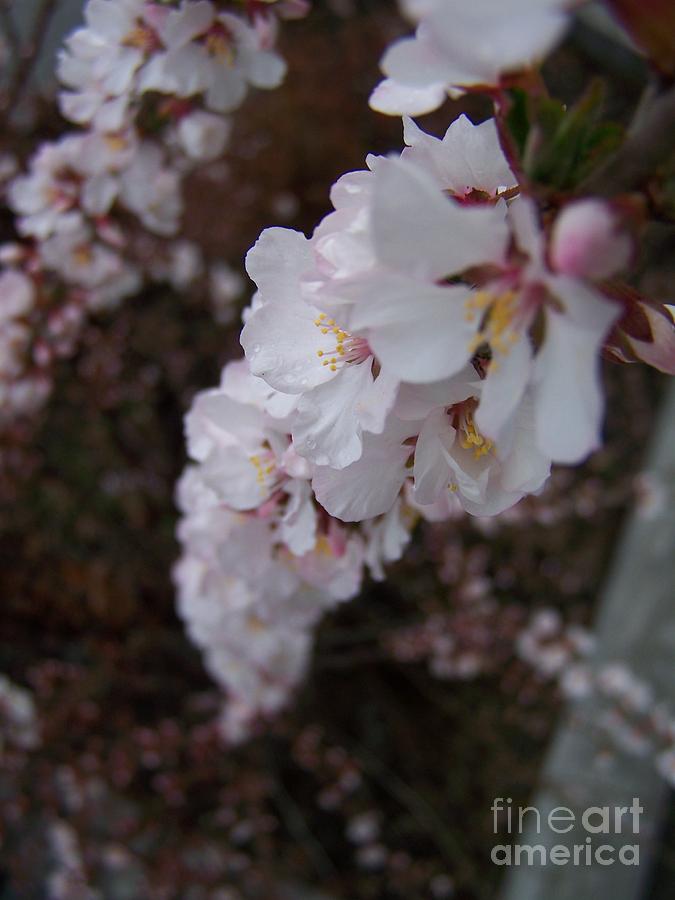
301	351
218	55
459	46
564	371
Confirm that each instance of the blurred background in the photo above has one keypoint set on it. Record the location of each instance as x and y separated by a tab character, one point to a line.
432	694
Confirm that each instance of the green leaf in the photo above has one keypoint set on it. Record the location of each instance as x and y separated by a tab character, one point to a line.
563	145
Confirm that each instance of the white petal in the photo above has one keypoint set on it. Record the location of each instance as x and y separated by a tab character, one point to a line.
419	231
370	486
282	342
419	332
431	471
327	427
231	474
277	261
415	62
265	70
394	99
297	528
468	158
568	393
507	377
184	24
526	468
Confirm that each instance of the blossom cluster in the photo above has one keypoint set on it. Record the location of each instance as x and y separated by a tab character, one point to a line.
151	87
434	332
436	344
261	559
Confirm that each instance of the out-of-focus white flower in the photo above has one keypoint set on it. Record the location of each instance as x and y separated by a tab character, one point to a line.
152	190
226	286
459	45
17	295
261	559
202	135
217	55
18	716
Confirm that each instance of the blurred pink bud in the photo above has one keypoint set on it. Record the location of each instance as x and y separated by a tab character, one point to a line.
588	242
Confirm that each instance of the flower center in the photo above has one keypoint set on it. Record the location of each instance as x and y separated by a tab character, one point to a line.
265	466
83	255
498	312
218	43
115	142
469	436
347	349
143	37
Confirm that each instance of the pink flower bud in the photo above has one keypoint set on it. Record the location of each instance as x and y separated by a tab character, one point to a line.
587	241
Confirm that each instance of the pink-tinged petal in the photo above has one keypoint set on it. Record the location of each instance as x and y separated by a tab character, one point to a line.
422	233
507	377
659	353
394	99
326	426
277	262
337	575
587	241
370	486
468	158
